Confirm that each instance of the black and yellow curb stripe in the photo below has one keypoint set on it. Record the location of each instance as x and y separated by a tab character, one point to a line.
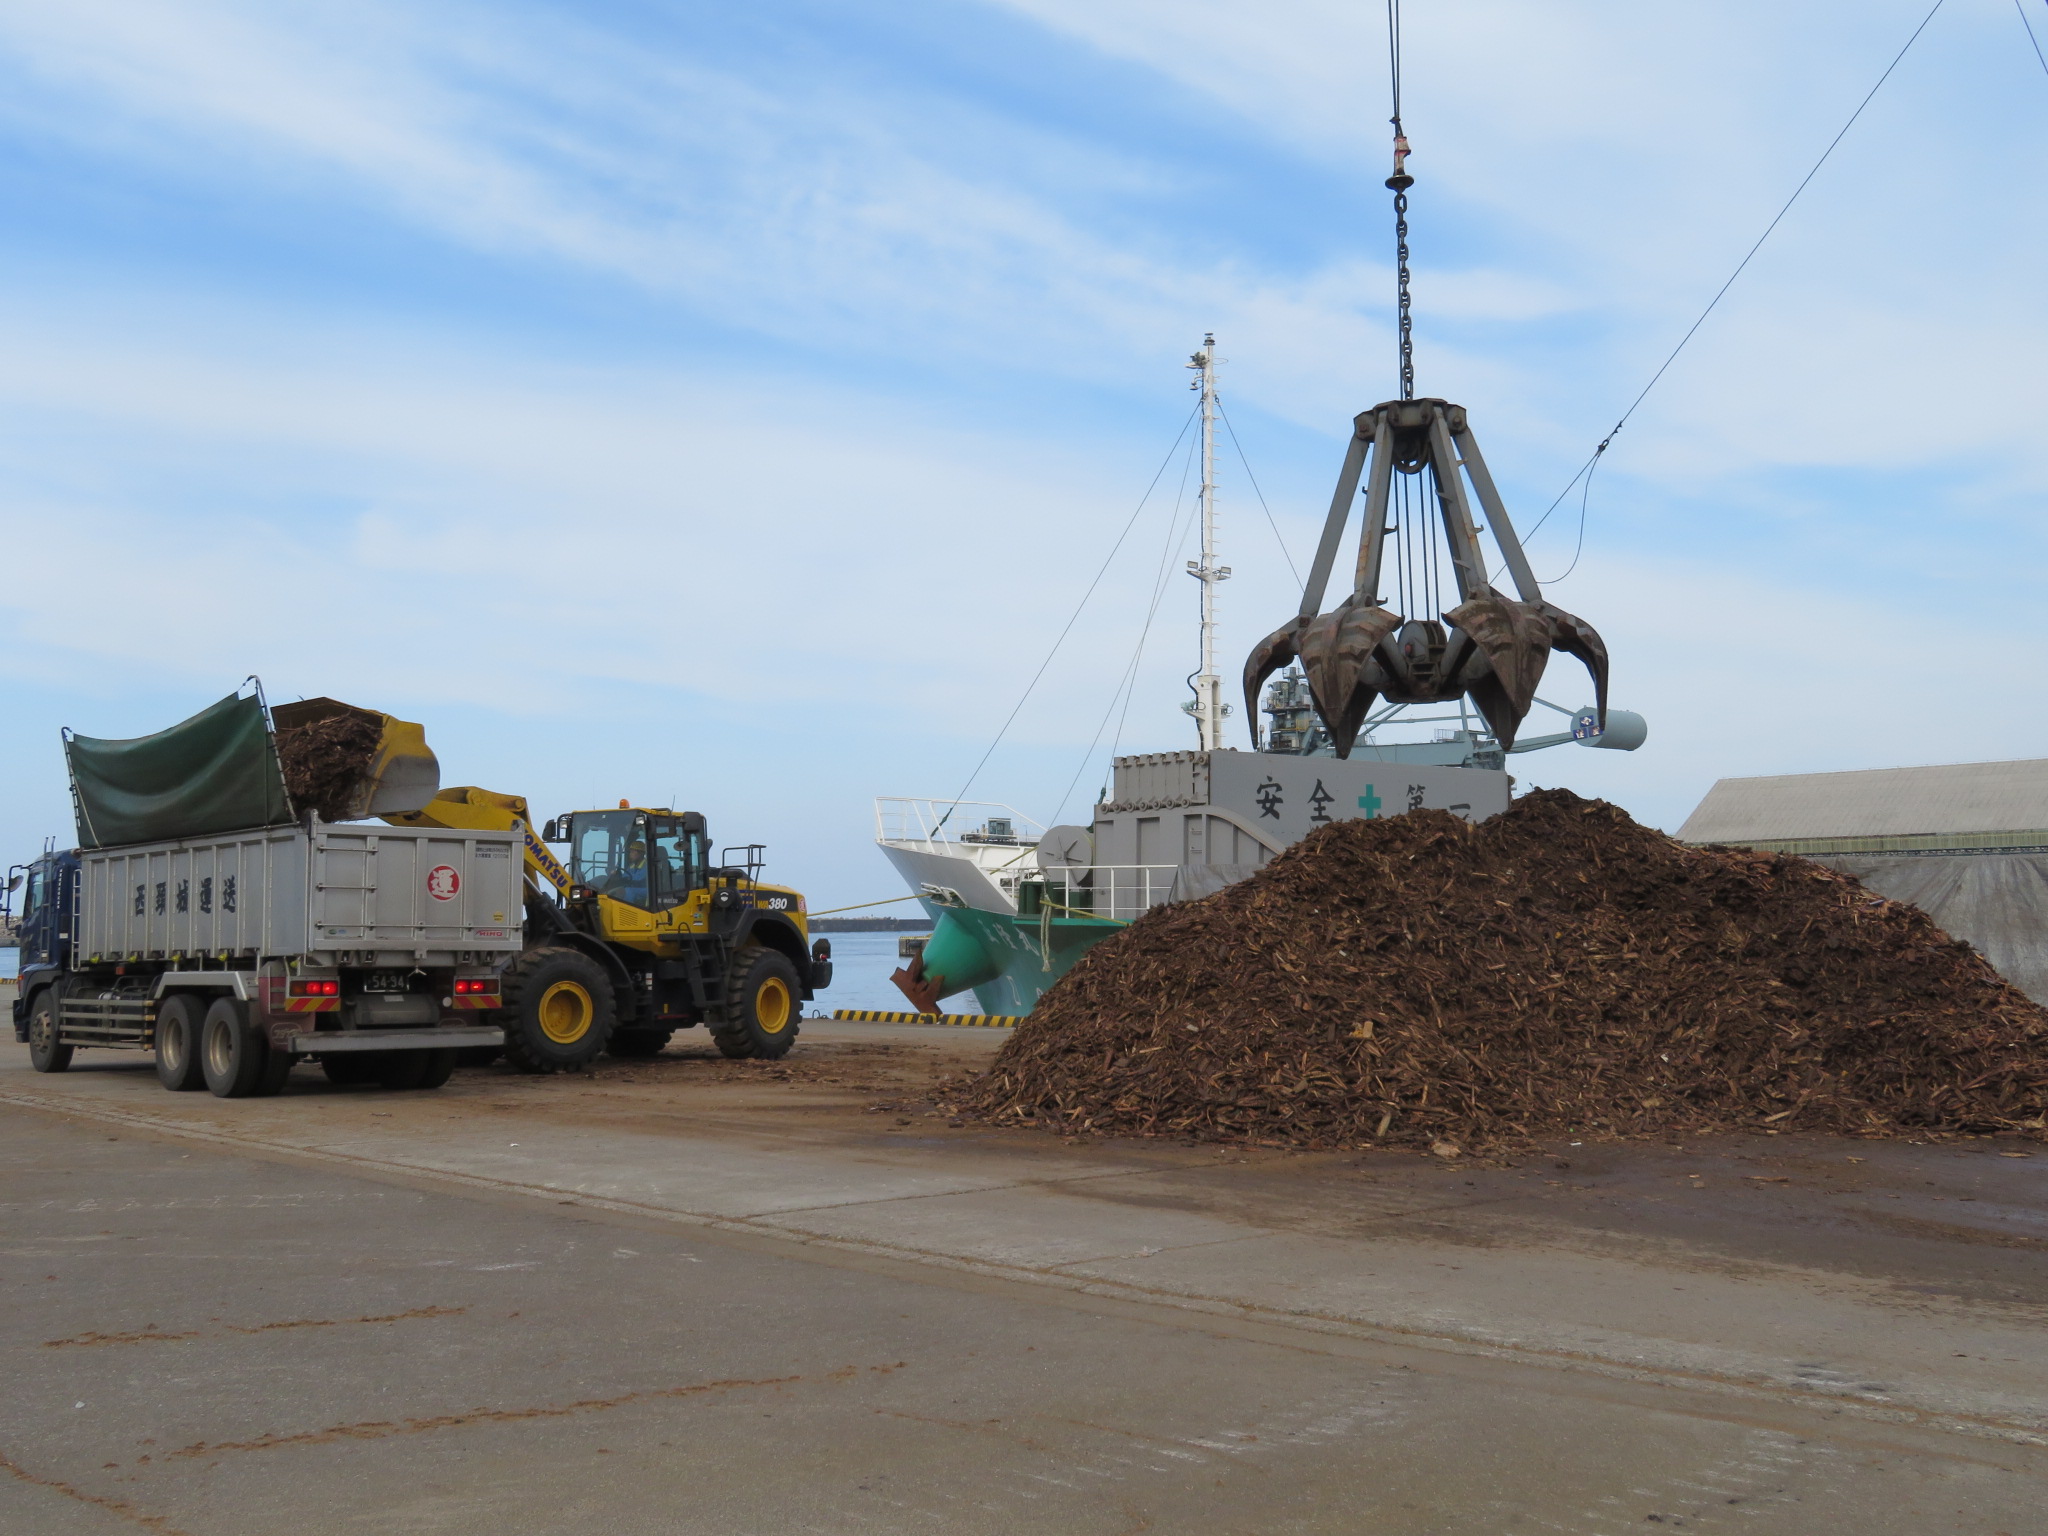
981	1020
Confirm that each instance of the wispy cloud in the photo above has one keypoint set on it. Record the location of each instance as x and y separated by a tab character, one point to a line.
443	308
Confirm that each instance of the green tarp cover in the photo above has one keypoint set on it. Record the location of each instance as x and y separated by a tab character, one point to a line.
216	772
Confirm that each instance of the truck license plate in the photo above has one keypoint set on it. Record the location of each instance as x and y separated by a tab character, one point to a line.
386	981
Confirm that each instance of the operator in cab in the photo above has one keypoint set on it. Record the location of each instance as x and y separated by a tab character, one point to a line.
629	882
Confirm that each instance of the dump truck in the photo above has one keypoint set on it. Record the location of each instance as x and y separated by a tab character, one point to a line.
375	951
209	919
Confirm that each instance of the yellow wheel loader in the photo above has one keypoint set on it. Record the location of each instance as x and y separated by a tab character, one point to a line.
638	934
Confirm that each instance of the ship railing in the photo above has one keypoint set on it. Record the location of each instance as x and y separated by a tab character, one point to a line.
1120	892
943	824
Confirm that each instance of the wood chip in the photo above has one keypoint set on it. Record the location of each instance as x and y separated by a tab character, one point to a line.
1555	969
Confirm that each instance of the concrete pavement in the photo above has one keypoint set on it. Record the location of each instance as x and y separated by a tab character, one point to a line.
1016	1333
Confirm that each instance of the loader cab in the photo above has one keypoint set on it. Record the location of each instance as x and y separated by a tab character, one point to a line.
647	859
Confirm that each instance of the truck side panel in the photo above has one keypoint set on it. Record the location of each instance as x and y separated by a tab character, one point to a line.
416	888
282	891
236	895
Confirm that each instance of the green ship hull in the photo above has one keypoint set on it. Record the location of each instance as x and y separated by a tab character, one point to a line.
1007	961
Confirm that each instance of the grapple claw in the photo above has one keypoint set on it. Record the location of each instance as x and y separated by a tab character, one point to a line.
1267	657
1575	637
1343	677
1514	638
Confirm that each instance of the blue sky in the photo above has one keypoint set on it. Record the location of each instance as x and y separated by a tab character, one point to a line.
729	404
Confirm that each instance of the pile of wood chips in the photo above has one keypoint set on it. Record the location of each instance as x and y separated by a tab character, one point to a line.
324	762
1557	968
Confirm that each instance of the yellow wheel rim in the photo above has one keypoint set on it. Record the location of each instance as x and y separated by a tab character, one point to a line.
773	1006
566	1012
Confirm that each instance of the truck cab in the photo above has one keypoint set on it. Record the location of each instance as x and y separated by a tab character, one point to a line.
49	899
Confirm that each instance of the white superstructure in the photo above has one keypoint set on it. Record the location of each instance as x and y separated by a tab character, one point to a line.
964	852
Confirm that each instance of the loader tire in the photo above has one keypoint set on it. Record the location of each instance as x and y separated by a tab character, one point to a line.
634	1044
761	1007
558	1011
178	1066
45	1054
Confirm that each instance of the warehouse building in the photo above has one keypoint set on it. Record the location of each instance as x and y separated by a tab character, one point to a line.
1967	843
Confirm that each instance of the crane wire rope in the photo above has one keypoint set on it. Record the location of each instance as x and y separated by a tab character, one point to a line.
1399	183
1072	618
1176	540
1247	463
1175	543
1586	469
2021	8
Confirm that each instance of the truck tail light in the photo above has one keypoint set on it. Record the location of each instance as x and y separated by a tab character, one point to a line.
305	988
475	986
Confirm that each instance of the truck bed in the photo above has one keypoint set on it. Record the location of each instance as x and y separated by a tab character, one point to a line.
360	893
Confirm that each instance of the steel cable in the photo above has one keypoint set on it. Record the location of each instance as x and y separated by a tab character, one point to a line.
1586	469
1073	618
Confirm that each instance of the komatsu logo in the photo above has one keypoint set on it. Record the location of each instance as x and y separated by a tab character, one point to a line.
548	864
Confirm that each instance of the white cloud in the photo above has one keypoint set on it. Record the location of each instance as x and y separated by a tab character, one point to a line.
441	515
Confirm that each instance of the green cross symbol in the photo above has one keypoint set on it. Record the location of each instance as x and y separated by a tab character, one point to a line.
1369	803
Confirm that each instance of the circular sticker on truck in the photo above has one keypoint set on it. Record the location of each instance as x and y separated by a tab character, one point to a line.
443	882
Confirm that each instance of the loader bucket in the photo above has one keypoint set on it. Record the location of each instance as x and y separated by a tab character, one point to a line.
347	763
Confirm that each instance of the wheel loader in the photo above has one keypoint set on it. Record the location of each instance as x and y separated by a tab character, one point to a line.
638	934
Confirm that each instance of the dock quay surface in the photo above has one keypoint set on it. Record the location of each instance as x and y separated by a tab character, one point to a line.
697	1295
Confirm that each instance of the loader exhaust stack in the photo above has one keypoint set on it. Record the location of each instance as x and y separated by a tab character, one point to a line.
1488	646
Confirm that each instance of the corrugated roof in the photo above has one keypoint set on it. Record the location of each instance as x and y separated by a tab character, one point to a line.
1874	802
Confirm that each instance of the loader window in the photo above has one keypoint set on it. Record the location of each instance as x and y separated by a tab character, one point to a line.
678	863
610	854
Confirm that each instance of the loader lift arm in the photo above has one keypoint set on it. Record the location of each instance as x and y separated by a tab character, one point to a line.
466	807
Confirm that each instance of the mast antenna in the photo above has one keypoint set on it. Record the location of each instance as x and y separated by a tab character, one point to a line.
1207	706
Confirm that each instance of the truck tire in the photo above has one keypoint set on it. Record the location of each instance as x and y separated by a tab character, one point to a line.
178	1066
277	1066
440	1066
44	1053
637	1044
233	1055
558	1011
351	1069
401	1070
761	1009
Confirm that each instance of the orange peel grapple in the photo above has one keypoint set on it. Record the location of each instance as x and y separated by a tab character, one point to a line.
1490	647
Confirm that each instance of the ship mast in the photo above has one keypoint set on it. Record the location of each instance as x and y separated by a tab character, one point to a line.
1207	706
